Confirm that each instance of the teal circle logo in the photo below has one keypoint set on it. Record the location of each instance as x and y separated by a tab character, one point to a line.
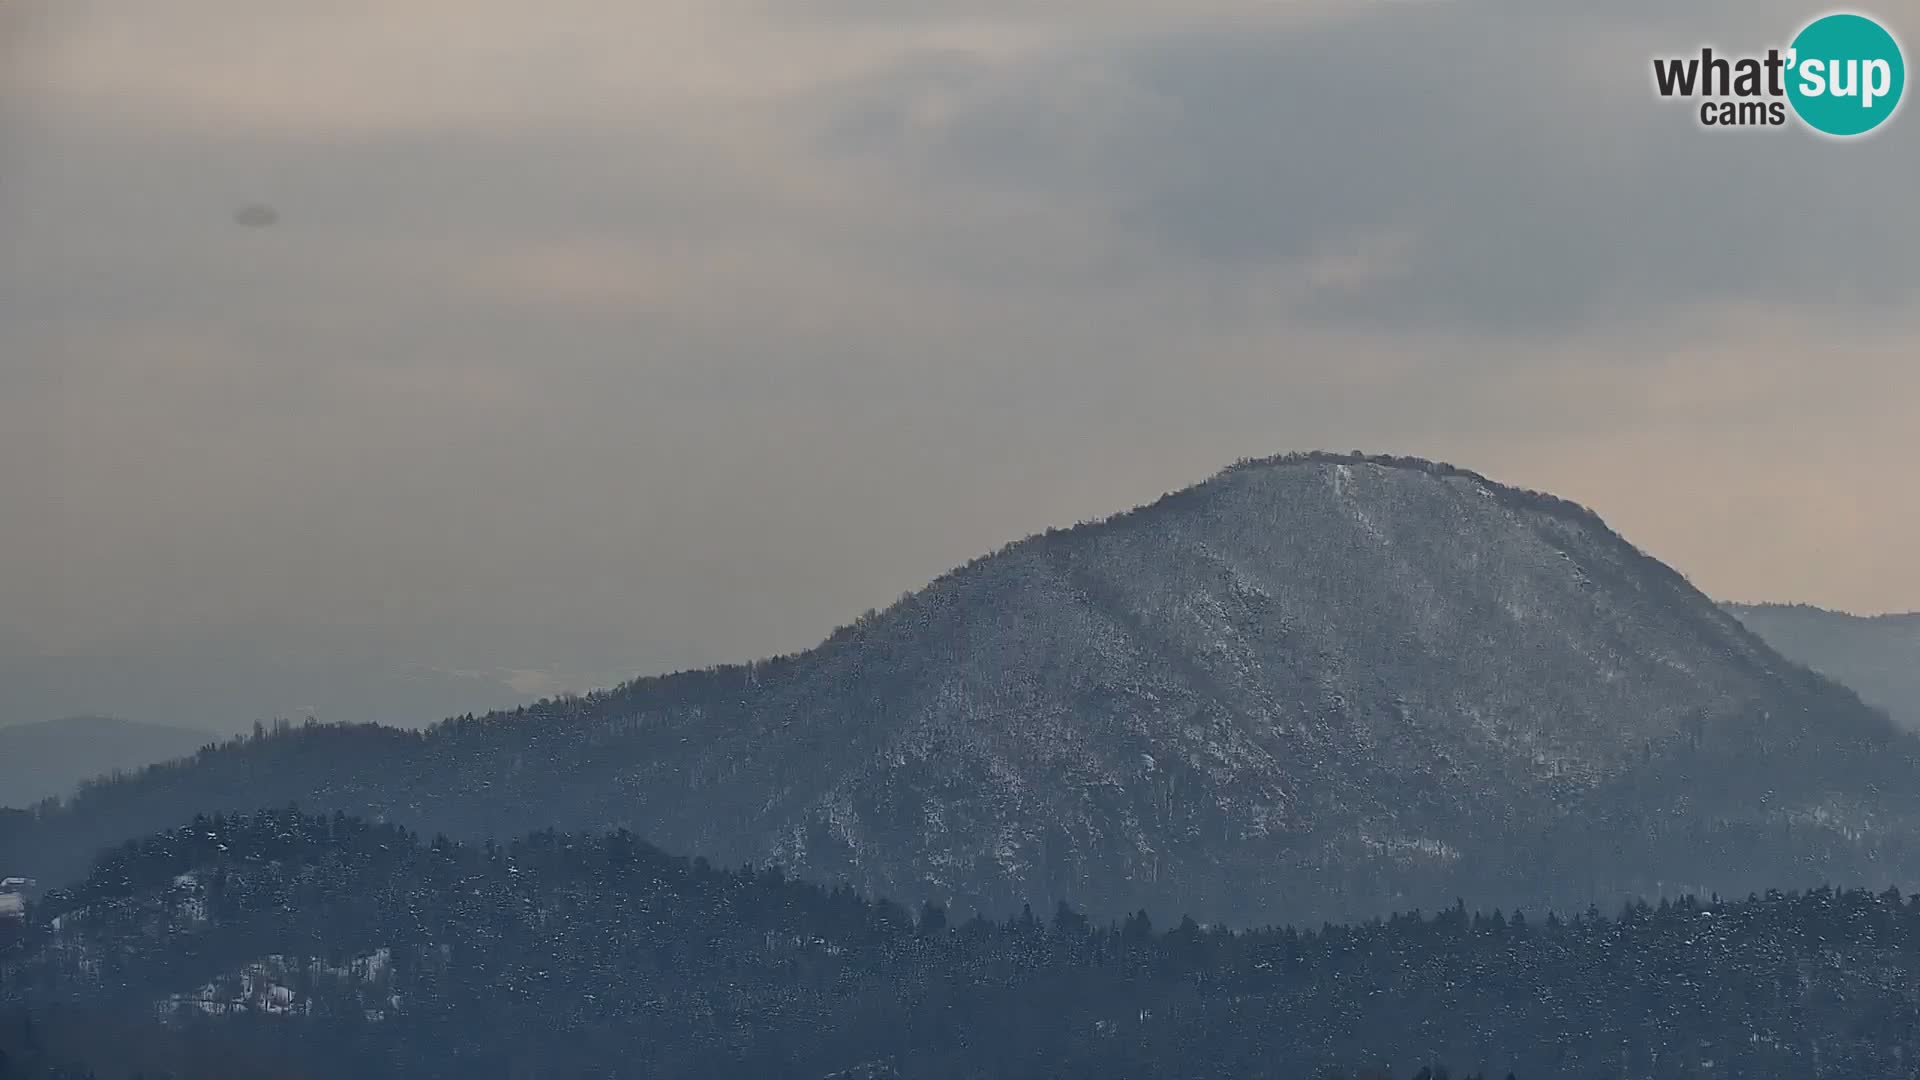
1845	74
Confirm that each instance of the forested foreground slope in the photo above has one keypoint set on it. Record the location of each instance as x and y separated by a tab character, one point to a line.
1314	687
331	947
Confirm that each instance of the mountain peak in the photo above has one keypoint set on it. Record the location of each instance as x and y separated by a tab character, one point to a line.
1312	685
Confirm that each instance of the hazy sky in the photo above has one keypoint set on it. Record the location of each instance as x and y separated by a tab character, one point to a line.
608	336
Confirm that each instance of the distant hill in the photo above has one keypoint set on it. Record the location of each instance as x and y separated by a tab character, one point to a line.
325	947
225	685
52	757
1312	687
1876	655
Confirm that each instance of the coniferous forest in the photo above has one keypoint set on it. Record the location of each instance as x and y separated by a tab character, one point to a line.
1274	778
283	944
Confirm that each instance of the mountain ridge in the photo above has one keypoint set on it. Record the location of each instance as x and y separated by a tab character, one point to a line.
1877	656
44	758
1514	495
1313	685
1818	609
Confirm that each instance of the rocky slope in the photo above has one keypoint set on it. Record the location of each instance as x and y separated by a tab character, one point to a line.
1311	687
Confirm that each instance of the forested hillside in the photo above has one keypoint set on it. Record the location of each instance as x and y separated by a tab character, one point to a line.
349	949
1878	656
1314	687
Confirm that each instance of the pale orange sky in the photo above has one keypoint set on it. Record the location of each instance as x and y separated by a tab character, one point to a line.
624	336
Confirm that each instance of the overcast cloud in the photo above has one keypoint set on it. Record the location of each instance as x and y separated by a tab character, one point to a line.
599	337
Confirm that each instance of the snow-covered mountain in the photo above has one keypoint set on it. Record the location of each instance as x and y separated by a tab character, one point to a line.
1315	686
1878	656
